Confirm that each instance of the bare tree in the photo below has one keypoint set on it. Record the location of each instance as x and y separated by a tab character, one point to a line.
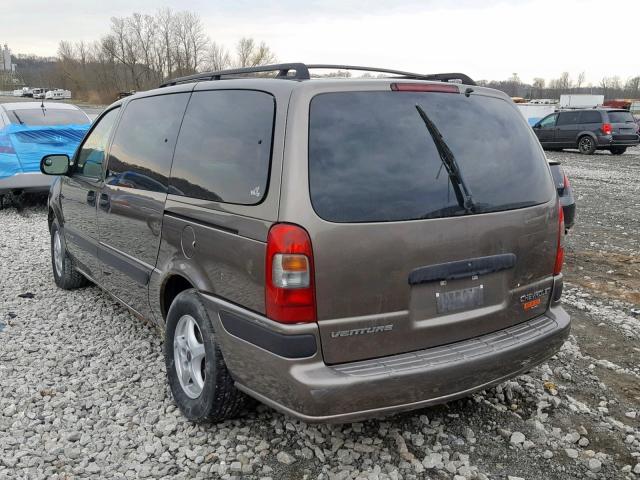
217	57
632	87
580	80
249	54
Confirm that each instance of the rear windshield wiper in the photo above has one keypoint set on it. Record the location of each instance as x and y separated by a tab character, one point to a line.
463	194
18	118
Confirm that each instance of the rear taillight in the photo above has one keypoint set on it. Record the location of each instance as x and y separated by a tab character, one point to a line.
5	145
289	282
606	128
424	87
557	268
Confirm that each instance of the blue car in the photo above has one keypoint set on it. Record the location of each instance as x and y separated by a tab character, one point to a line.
30	130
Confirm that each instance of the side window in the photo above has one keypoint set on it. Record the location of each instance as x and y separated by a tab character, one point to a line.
224	150
568	118
92	152
142	147
549	122
590	117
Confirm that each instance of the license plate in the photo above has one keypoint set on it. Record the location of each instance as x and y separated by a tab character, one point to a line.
464	299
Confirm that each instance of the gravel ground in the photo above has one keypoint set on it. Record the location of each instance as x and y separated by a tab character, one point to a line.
83	391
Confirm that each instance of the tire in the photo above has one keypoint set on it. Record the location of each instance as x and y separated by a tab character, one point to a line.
190	350
617	150
586	145
65	274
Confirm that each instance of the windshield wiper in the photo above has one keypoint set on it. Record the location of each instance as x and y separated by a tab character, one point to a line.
18	118
463	194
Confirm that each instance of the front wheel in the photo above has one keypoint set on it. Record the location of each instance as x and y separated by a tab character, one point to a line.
586	145
201	384
617	150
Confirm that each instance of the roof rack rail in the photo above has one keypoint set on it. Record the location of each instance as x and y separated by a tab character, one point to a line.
302	73
439	77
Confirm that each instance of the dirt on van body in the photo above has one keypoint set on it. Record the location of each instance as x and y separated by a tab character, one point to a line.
83	392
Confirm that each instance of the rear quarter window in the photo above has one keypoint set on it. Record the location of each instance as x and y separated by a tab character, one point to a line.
372	159
224	148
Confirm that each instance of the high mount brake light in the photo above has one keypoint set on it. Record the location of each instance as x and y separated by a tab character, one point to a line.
607	129
289	283
424	87
557	268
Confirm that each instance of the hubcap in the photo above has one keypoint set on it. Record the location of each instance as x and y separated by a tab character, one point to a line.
585	144
57	253
189	356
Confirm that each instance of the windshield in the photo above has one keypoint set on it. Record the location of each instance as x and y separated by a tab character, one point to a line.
48	116
371	158
620	117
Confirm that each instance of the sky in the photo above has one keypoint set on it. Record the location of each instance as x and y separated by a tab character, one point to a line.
486	39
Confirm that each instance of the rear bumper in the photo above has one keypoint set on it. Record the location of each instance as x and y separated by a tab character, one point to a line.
28	182
607	141
306	388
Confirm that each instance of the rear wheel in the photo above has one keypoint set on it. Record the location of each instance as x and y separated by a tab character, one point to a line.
617	150
586	145
65	274
201	384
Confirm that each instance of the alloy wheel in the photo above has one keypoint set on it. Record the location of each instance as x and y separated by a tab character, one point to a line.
189	356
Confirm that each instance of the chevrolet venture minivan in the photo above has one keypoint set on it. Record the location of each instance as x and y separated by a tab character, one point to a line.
335	248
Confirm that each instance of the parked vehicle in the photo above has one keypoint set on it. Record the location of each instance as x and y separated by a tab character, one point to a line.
588	130
335	248
580	100
38	93
565	193
58	94
27	131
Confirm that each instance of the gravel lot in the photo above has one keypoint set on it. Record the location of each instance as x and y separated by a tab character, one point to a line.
83	391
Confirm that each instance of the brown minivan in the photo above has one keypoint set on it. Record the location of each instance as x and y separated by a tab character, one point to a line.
335	248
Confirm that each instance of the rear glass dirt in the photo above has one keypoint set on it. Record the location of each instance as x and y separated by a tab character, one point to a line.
49	116
620	117
372	157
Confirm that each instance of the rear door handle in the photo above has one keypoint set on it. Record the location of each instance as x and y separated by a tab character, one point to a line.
104	202
91	198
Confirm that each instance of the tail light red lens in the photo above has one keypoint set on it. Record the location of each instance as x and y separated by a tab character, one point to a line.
607	129
289	283
5	145
424	87
557	268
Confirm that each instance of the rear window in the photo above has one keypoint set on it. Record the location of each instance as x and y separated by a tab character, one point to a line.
48	116
620	117
372	158
224	148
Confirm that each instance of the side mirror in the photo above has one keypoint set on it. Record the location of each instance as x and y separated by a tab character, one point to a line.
536	126
54	164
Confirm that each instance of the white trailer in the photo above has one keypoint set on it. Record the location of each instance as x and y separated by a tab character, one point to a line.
58	94
581	100
534	112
